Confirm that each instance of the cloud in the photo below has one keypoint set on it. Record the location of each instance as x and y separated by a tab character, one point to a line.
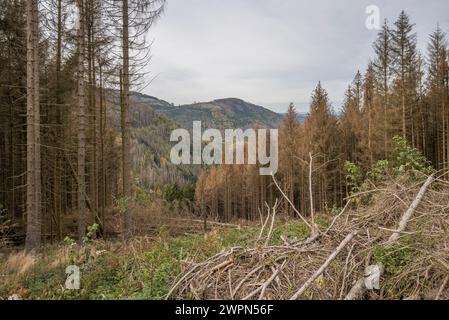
270	52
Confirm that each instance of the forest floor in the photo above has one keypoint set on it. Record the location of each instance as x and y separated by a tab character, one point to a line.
142	269
391	241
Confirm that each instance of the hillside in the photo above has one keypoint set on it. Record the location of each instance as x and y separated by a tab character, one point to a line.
151	143
152	121
221	113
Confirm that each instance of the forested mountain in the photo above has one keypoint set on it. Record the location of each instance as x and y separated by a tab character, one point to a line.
150	136
221	113
152	120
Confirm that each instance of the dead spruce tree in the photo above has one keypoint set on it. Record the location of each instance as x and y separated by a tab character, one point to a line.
81	124
33	235
39	136
134	19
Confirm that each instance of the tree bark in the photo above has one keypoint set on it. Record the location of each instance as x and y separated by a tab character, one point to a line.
312	208
411	210
81	126
33	234
103	166
126	147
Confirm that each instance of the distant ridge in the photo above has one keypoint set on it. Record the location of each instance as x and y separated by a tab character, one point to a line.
219	113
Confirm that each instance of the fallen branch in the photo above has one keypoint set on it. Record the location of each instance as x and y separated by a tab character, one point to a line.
443	285
396	231
411	210
318	273
247	276
222	253
274	276
359	289
345	271
221	265
180	281
264	286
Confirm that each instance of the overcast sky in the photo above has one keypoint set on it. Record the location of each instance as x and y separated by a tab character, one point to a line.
271	52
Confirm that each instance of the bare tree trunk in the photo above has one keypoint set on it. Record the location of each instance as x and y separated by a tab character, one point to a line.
312	209
126	148
92	110
33	237
103	167
58	163
444	164
81	126
12	162
386	110
403	107
411	210
37	123
370	132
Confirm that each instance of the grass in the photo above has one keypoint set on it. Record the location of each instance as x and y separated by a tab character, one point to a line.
143	269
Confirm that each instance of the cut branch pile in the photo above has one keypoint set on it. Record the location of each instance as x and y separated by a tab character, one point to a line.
395	246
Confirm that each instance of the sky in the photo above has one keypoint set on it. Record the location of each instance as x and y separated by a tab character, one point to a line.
271	52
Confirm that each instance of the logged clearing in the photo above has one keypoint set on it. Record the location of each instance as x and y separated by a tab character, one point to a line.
388	243
395	247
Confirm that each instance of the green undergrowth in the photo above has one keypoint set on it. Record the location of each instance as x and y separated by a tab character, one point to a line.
111	271
396	260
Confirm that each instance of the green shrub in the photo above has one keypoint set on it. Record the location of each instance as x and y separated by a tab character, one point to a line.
353	176
408	159
174	193
379	170
395	258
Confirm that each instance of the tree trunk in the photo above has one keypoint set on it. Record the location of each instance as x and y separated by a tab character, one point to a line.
312	208
33	236
81	126
126	152
103	167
